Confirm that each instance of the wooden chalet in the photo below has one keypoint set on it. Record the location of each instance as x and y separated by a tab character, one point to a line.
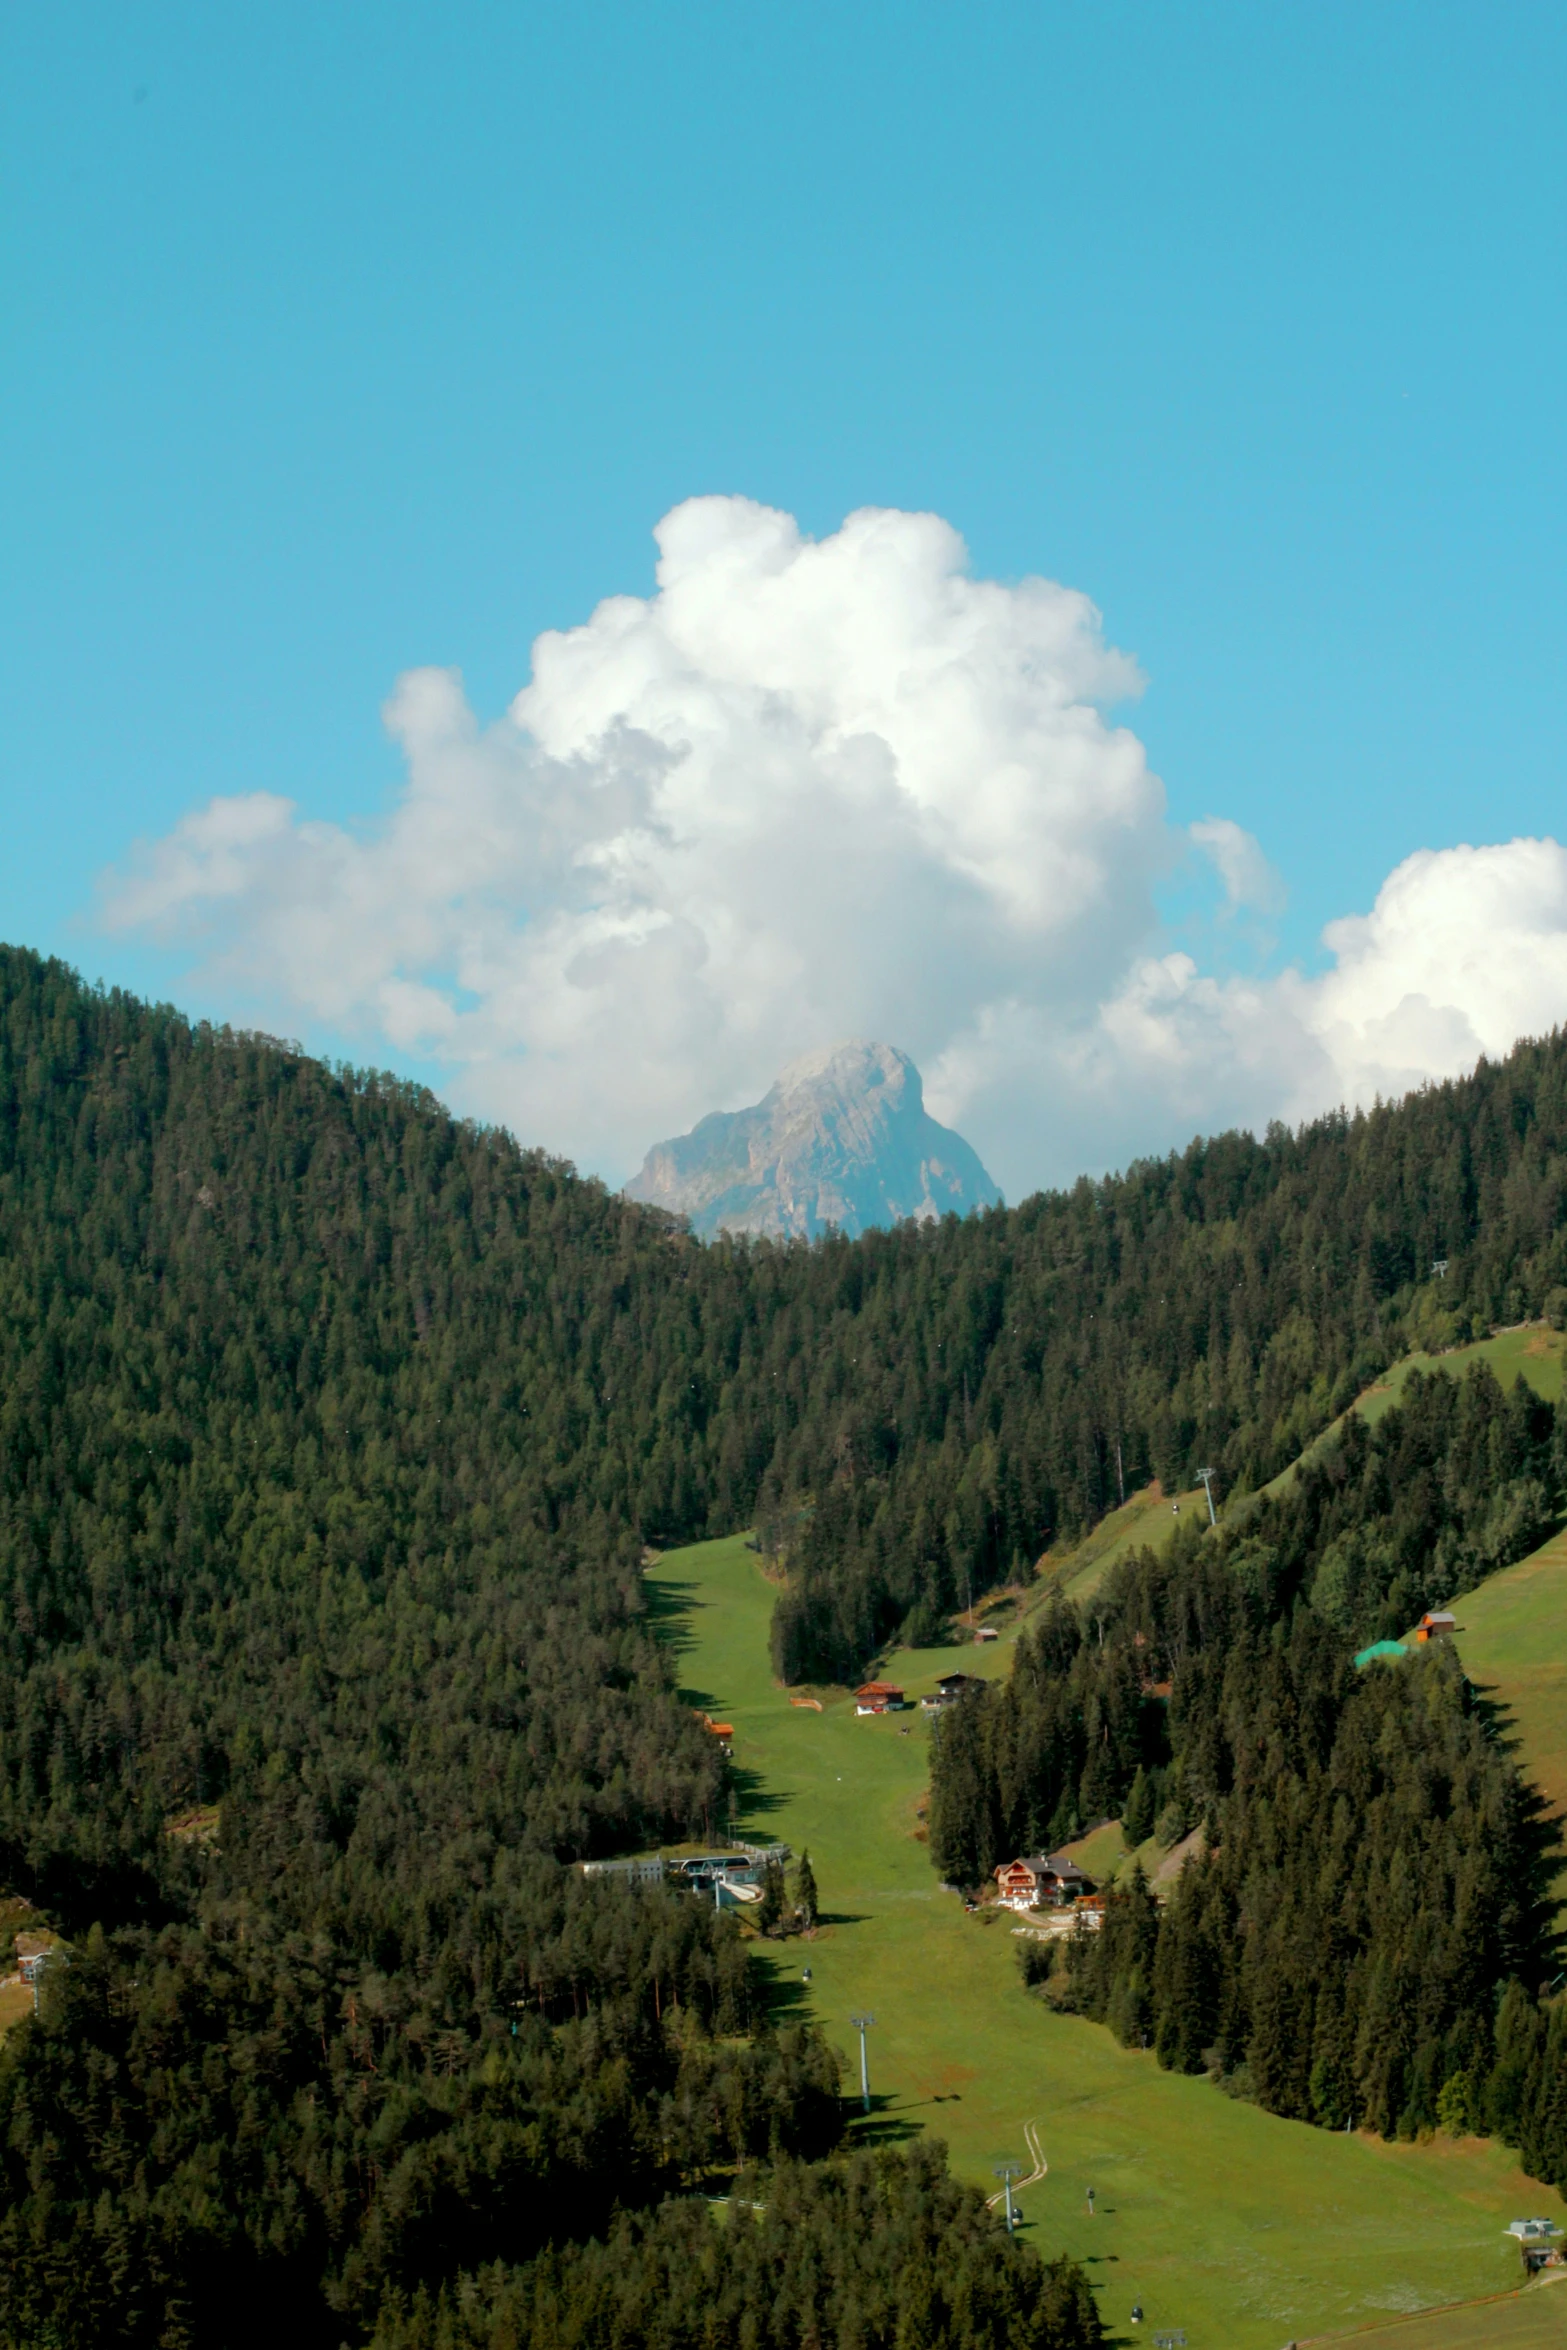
1043	1882
950	1688
878	1697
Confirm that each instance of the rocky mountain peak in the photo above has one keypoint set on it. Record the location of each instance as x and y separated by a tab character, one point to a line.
843	1137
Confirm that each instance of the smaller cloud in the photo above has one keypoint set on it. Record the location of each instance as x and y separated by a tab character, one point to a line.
1463	952
1249	880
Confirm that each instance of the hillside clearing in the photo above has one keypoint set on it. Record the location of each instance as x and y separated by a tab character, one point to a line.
1150	1516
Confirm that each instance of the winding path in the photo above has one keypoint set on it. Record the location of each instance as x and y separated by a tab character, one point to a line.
1031	2141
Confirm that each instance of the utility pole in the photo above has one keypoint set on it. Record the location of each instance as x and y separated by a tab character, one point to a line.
1205	1478
1006	2172
862	2024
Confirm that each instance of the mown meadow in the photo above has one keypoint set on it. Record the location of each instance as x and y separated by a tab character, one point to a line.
1243	2228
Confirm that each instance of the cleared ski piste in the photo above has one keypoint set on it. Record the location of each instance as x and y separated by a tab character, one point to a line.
1245	2229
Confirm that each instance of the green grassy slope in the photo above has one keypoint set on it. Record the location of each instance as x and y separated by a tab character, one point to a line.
1150	1517
1243	2228
1535	2319
1512	1639
1529	1352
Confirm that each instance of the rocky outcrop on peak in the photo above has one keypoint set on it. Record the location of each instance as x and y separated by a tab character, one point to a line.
842	1138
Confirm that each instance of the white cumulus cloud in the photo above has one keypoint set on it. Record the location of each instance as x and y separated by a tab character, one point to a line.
805	789
811	789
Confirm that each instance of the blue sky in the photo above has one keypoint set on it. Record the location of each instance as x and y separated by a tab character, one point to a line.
343	342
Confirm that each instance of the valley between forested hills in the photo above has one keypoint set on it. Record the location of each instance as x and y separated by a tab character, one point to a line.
332	1433
1211	2213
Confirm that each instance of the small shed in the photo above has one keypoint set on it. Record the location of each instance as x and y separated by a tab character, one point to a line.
987	1632
1437	1624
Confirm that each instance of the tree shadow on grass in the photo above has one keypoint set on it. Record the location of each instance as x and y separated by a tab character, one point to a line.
754	1799
1542	1826
879	2127
1497	1715
672	1609
788	1999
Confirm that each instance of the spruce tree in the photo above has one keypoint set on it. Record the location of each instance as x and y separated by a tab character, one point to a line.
1138	1817
770	1908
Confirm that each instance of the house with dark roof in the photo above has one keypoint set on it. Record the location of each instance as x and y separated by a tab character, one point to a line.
949	1688
1038	1883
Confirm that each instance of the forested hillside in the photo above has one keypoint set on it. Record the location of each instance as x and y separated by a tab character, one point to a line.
331	1430
1007	1378
1367	1928
329	1433
306	1514
883	2255
917	1411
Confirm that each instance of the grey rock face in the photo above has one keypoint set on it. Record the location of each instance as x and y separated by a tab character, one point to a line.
843	1138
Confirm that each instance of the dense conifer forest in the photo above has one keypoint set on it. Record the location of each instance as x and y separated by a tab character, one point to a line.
1366	1925
331	1433
884	2255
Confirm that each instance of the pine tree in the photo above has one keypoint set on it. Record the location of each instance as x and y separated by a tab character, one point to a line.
1138	1817
805	1901
771	1906
1187	1978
